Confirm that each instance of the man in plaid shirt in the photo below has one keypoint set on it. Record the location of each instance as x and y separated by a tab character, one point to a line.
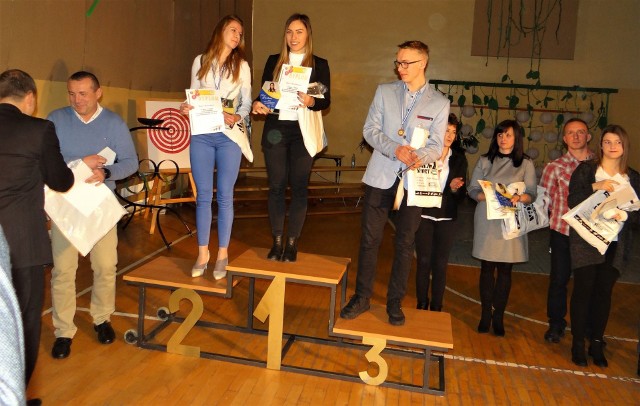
555	178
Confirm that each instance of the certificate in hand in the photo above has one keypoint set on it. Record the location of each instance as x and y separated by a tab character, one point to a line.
206	116
293	79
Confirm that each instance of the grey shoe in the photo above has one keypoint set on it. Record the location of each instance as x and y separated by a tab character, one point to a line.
220	269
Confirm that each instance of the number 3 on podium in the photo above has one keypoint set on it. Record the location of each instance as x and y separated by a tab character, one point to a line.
374	357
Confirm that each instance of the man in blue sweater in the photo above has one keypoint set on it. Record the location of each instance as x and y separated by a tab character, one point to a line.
84	129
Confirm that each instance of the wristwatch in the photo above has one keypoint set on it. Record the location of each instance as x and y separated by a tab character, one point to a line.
107	172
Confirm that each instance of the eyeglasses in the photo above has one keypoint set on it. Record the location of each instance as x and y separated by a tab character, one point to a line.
404	65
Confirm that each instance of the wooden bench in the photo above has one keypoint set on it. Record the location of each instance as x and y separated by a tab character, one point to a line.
427	331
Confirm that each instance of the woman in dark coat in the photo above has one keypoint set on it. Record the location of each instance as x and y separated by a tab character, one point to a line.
287	159
594	275
435	235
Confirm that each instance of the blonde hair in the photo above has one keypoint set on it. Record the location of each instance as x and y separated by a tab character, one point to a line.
307	60
214	50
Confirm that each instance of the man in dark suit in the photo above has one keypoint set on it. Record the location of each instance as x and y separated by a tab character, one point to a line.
29	158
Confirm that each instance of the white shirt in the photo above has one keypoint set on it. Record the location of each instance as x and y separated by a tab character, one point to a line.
291	115
228	89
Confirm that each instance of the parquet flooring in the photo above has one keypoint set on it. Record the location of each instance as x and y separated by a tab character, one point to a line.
520	368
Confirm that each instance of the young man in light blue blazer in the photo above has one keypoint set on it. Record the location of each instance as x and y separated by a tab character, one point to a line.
400	111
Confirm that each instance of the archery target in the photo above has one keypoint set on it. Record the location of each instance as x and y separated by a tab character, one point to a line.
173	143
176	138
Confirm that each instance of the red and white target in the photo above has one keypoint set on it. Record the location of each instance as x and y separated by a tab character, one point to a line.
177	137
172	143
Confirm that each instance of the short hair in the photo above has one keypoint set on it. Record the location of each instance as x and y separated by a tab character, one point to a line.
453	120
574	120
416	45
16	84
80	75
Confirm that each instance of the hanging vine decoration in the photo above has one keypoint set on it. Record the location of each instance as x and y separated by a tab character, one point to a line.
556	103
512	29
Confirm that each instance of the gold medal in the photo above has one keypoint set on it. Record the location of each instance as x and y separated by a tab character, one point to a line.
401	132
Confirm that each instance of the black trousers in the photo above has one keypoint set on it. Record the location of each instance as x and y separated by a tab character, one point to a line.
591	297
375	212
434	240
29	286
288	162
558	279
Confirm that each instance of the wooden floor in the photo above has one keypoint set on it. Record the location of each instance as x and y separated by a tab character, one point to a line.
520	368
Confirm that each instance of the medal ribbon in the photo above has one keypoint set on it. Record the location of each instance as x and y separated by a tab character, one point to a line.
405	116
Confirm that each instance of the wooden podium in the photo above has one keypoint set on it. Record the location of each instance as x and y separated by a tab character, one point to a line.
428	332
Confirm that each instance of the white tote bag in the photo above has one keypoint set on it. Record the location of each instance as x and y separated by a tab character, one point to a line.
312	129
527	217
424	187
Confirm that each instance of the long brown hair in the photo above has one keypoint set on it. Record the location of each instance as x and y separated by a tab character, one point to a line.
214	50
624	138
284	51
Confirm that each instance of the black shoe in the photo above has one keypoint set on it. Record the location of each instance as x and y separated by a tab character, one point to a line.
422	306
485	321
290	253
34	402
497	322
61	348
356	306
394	311
276	250
578	356
597	353
106	335
554	334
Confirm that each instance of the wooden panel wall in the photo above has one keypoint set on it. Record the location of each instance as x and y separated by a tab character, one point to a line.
144	45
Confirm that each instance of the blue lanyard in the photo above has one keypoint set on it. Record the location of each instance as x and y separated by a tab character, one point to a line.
405	115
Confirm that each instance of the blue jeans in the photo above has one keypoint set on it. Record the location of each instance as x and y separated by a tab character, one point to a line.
206	152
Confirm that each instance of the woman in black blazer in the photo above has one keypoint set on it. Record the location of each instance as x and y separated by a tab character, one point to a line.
594	274
285	155
434	237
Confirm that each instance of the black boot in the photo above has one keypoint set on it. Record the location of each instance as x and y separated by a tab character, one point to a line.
578	355
485	320
276	250
290	250
487	283
596	351
423	306
497	322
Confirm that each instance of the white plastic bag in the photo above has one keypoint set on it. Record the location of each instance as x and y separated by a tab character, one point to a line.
587	218
83	231
527	217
